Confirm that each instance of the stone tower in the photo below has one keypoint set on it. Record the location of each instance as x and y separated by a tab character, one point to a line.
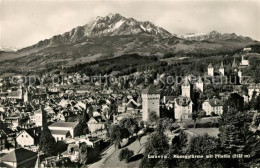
239	74
221	69
199	85
210	70
186	88
150	102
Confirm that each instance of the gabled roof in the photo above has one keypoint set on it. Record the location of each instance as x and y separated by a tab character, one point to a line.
214	102
18	155
151	89
221	65
64	124
59	132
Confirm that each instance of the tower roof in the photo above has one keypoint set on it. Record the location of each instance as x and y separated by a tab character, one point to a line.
221	65
186	82
210	66
234	64
151	89
200	80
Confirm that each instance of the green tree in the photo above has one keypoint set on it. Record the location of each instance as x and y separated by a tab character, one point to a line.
47	143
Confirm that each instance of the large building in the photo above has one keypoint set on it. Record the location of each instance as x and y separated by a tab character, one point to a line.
183	107
151	102
62	130
213	106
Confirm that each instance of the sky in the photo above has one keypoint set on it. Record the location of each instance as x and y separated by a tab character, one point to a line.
25	22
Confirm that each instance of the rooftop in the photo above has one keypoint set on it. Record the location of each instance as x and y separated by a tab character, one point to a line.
18	155
151	89
64	124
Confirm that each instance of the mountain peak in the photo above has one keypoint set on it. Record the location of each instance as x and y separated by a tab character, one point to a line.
116	24
215	35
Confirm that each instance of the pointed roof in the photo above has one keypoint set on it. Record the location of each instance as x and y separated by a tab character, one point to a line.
221	65
200	80
210	66
151	89
124	99
234	64
139	99
186	81
18	155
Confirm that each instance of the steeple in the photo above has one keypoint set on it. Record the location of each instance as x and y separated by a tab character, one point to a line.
234	64
221	69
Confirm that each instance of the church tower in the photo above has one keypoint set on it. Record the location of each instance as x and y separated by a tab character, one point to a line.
186	88
210	70
199	85
221	69
234	65
239	74
150	102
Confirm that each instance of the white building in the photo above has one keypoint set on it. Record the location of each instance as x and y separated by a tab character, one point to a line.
244	62
199	85
186	88
221	69
212	106
96	124
210	70
24	138
183	107
151	102
62	130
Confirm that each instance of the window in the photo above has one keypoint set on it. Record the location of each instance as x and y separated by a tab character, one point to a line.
57	138
22	135
61	138
26	136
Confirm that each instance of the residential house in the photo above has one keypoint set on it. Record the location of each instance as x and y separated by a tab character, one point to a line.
27	138
96	124
19	158
213	106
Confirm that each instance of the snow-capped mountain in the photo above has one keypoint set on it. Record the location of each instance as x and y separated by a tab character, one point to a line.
115	24
8	49
107	26
213	36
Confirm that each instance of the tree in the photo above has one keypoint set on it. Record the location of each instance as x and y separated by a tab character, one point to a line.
47	143
153	116
130	124
256	103
116	135
83	153
157	144
197	115
235	101
83	119
125	154
203	145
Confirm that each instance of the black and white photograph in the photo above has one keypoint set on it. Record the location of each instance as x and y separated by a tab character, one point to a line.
129	83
